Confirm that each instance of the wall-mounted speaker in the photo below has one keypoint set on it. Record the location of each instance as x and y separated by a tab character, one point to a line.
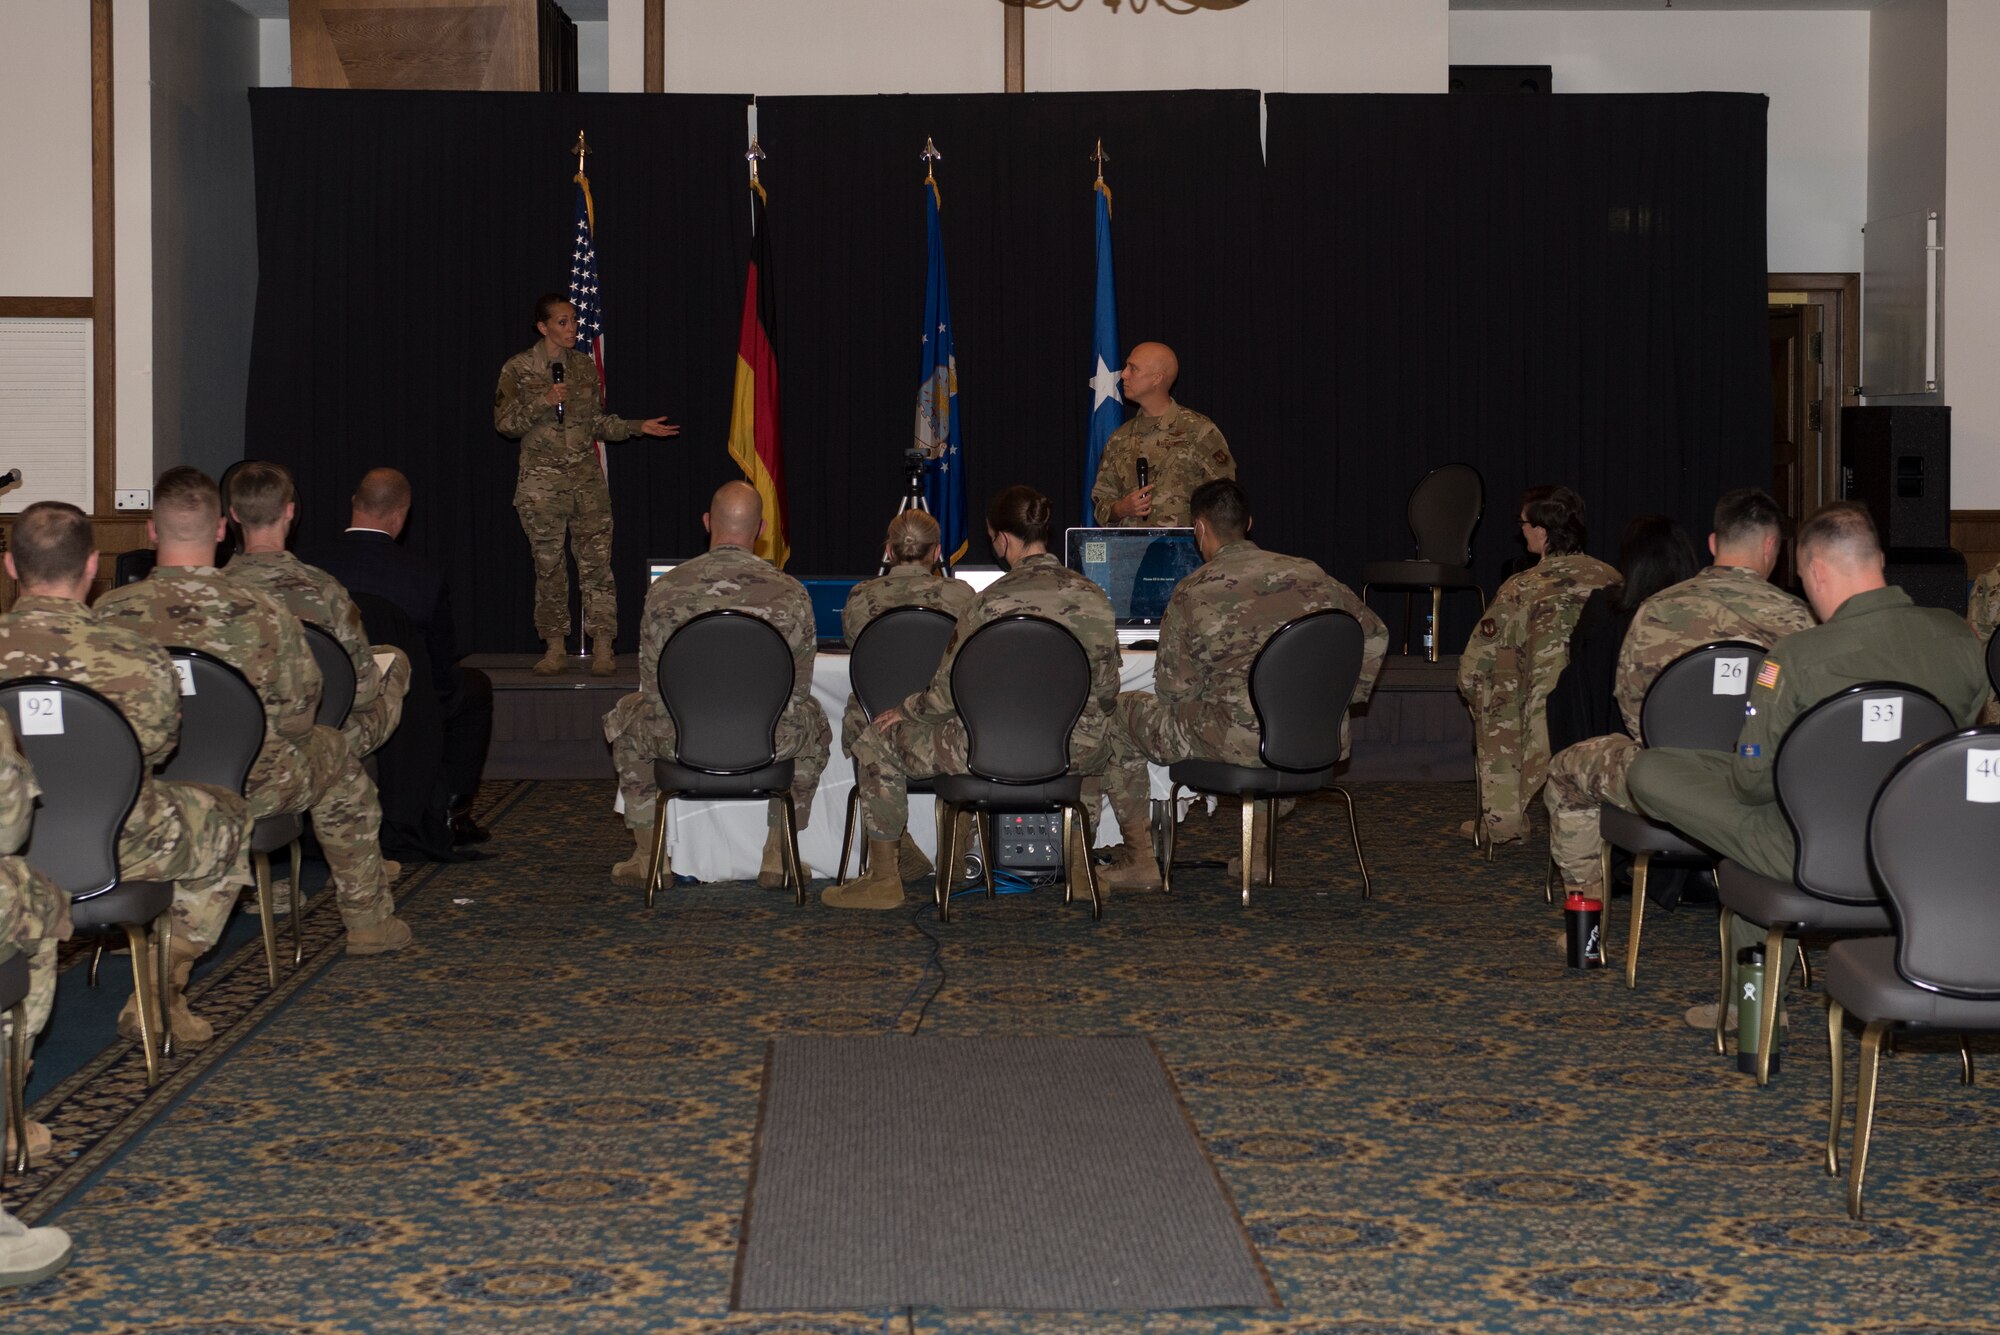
1897	461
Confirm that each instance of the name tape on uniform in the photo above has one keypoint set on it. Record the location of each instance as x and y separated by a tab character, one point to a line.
41	714
184	669
1982	776
1882	720
1732	677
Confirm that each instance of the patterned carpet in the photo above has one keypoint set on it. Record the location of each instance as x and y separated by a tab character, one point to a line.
540	1118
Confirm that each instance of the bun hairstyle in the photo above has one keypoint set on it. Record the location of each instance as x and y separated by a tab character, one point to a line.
545	305
1560	511
1020	512
912	534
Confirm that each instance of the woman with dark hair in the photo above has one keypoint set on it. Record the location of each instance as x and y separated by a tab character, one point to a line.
551	401
1655	554
924	737
1514	656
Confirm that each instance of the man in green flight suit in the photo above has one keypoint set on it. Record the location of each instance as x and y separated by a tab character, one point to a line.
1869	632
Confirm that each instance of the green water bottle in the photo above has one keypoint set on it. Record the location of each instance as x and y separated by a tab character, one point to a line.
1750	1010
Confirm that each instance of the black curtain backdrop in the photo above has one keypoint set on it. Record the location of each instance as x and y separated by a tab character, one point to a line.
1552	289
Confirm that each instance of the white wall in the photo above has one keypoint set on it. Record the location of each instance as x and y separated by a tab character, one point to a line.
1972	254
45	154
132	223
1813	65
593	57
813	46
274	53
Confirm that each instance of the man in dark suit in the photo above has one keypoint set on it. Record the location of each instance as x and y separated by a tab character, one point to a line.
368	559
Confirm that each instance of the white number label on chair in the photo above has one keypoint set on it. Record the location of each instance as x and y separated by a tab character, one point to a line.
185	671
1732	676
41	713
1882	720
1982	776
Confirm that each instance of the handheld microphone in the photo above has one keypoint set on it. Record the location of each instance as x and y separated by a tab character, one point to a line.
10	477
556	375
1145	473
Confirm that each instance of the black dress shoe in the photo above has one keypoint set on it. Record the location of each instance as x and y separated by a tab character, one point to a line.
465	831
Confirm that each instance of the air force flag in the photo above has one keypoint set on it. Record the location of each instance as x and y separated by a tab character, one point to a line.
1107	405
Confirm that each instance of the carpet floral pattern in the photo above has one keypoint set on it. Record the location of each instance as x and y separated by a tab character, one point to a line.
540	1117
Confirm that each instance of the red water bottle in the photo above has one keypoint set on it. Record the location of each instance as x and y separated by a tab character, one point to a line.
1585	920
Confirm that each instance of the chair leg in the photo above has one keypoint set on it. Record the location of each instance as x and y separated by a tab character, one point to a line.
17	1084
1767	1001
298	914
947	858
1641	865
1437	620
795	868
147	1003
1354	833
1083	856
1864	1112
1173	826
847	835
1406	624
163	937
1836	1058
986	849
1249	820
1727	920
260	863
1805	969
1270	841
660	803
96	958
1966	1075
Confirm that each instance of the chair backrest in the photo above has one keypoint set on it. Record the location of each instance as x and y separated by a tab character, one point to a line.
133	566
336	675
1444	509
222	722
87	760
1020	684
725	677
1697	702
1931	836
1301	683
896	654
1993	661
1830	766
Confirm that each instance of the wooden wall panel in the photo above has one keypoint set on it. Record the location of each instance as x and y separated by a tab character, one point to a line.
489	45
1976	533
124	533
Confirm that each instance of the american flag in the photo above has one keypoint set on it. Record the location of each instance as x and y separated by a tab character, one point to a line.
583	290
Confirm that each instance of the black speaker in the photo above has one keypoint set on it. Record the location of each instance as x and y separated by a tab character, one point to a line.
1501	79
1897	461
1932	576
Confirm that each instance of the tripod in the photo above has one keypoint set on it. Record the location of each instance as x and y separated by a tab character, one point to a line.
914	461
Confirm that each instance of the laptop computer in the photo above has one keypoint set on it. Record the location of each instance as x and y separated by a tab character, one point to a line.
1137	568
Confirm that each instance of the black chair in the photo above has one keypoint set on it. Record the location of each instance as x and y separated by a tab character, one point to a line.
1685	708
894	657
87	760
1301	684
336	674
222	730
1826	779
1444	509
1931	836
725	678
133	566
1020	684
14	1000
1993	662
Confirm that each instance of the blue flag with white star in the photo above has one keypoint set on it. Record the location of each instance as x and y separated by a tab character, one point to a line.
1107	404
937	399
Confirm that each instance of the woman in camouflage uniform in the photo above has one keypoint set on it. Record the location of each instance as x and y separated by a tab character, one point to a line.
1515	655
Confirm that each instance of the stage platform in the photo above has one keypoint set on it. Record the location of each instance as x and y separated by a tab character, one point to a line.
1415	727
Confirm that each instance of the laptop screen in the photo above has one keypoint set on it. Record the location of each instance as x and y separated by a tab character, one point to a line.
1136	567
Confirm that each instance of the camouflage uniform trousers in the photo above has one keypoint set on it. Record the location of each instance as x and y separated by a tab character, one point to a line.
1512	752
1144	730
641	733
322	776
197	836
1581	779
370	726
34	916
885	762
581	506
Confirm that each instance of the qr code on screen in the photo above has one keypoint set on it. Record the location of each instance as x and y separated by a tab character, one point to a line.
1096	553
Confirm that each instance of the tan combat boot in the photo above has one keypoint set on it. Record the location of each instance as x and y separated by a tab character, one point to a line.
382	938
189	1030
1133	866
880	887
771	871
910	859
603	659
632	871
555	662
40	1143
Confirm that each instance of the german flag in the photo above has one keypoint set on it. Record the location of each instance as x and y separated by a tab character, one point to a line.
755	442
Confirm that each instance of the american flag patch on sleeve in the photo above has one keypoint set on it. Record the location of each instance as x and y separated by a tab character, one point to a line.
1767	676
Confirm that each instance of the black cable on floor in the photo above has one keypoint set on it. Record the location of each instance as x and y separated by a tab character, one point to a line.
934	960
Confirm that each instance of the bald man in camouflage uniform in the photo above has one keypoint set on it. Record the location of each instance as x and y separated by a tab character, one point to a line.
1182	449
1219	619
728	576
187	601
924	737
561	487
1733	599
34	912
193	834
1511	663
263	502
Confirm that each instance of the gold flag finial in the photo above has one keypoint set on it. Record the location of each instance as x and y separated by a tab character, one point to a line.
754	156
930	155
581	150
1101	157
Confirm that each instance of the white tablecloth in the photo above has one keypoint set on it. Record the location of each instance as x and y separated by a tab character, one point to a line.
724	841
